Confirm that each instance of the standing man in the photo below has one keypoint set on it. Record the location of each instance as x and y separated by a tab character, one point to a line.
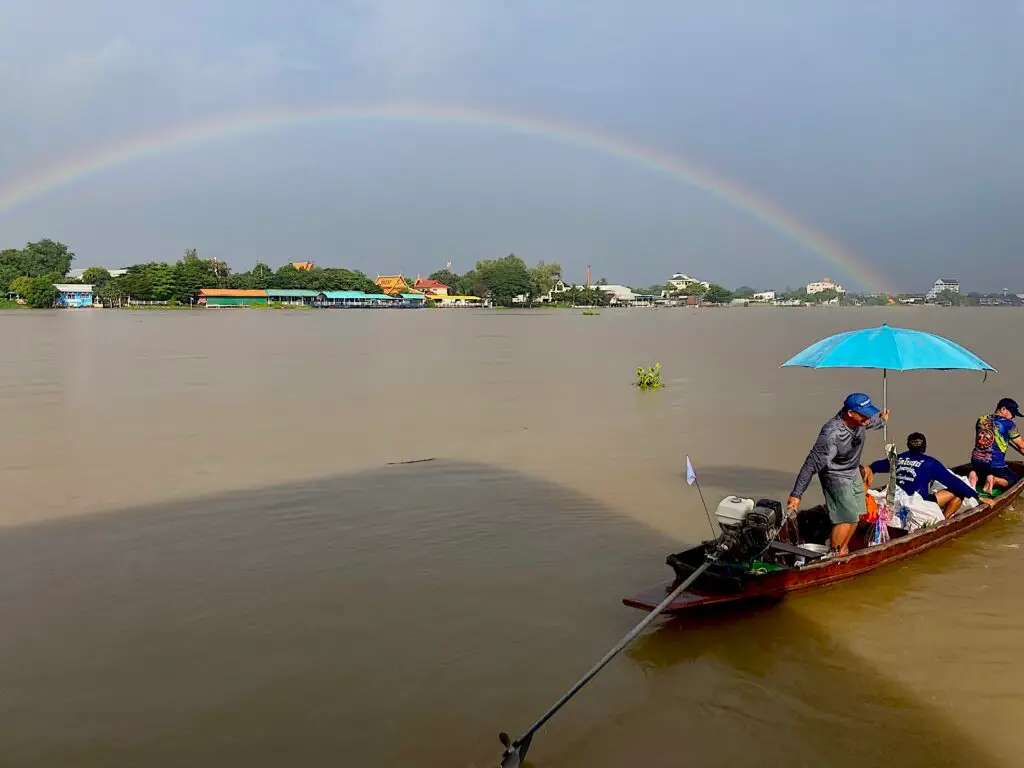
835	459
993	436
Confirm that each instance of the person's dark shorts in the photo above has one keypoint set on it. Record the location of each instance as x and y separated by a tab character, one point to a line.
1003	473
931	497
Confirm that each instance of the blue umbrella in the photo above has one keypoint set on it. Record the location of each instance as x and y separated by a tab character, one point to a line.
891	349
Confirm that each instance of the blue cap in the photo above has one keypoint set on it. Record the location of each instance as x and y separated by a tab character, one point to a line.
860	403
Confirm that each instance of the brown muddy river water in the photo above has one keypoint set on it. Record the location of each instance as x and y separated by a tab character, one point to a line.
208	557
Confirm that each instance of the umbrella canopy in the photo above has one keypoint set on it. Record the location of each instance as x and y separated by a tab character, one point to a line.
891	349
888	348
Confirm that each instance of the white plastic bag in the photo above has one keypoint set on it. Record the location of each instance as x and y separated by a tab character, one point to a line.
920	513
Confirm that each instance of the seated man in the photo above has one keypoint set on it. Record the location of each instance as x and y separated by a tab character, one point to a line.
994	434
916	471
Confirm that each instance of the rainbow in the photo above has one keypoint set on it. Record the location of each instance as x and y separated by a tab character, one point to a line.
47	180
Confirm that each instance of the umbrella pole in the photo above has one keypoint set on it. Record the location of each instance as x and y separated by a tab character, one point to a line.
885	403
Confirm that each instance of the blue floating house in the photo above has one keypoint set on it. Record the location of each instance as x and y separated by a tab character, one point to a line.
354	299
341	299
73	295
381	300
413	300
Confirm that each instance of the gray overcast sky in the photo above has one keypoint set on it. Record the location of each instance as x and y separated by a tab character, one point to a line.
894	128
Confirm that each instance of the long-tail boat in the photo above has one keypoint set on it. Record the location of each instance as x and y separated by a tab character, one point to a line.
798	559
762	554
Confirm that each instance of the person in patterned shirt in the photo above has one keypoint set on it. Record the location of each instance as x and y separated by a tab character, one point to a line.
993	436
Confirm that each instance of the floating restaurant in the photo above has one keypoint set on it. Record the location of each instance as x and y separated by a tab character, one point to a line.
363	300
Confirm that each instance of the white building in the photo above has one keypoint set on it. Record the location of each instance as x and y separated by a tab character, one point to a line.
764	296
76	274
944	284
618	294
558	288
680	282
824	285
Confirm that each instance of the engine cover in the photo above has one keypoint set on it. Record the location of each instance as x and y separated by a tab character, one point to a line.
747	541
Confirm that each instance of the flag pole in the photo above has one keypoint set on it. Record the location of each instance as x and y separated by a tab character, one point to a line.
691	479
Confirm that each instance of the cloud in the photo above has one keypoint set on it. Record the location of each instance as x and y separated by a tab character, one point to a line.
70	83
121	62
137	65
401	47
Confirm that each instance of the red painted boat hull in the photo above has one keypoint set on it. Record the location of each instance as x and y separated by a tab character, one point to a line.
776	584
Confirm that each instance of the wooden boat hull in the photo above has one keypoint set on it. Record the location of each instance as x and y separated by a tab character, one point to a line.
773	585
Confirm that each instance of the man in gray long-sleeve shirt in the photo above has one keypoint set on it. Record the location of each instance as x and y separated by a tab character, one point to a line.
835	458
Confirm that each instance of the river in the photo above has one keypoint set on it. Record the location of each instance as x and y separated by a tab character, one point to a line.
212	553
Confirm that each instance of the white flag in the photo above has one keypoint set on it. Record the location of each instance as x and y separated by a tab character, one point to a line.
691	476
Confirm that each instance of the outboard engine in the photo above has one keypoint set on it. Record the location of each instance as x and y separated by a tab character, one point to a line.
747	528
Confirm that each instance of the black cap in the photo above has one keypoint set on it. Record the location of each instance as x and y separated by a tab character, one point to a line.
917	443
1010	405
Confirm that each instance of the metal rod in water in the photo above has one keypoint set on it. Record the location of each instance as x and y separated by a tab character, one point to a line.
515	746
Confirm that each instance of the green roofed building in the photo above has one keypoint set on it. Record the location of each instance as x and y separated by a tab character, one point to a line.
230	297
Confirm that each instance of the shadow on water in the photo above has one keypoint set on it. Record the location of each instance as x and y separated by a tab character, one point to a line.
404	616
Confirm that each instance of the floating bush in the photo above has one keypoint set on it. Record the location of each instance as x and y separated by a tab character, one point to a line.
589	313
649	378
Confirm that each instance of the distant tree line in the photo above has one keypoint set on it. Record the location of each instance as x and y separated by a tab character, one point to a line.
712	294
180	282
507	279
31	271
502	280
955	299
821	297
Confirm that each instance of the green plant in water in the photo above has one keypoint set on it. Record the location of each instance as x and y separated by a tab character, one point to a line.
649	378
589	313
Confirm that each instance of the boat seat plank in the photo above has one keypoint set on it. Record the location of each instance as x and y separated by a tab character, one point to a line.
793	549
